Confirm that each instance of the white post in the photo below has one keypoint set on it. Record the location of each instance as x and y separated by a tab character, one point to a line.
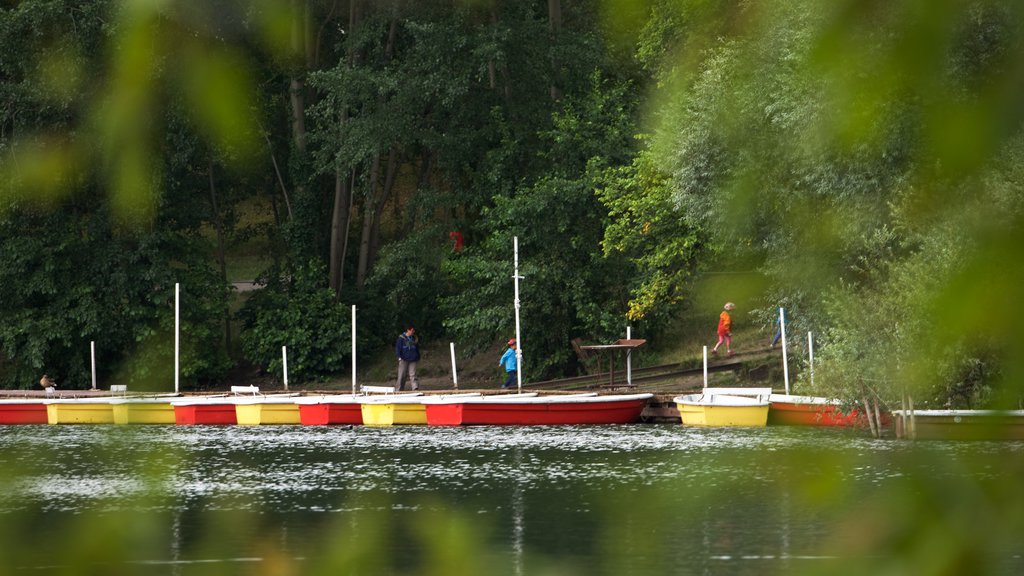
177	332
284	362
785	360
353	349
455	372
92	354
705	366
519	342
629	358
810	356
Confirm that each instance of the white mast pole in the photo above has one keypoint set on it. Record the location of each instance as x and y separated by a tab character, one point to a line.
284	362
810	356
705	366
353	349
177	332
92	355
785	360
455	372
519	343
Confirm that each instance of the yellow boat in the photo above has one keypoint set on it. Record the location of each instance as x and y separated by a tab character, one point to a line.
79	411
277	409
725	407
391	410
145	410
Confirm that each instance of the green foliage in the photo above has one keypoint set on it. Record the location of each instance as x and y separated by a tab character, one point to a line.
648	226
405	285
570	288
68	279
296	309
855	155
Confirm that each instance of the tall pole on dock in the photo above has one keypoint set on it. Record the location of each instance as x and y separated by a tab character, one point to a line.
705	366
455	372
284	365
177	333
810	356
519	343
785	361
92	356
353	349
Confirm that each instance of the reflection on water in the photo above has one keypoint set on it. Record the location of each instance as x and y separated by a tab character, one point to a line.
615	500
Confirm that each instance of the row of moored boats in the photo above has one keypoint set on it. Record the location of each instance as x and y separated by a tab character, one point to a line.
380	406
373	406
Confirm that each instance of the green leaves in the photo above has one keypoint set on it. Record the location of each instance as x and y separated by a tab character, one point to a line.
298	311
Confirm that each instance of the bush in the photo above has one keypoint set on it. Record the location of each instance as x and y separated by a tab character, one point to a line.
299	311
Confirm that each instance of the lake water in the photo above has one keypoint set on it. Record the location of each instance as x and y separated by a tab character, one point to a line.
644	499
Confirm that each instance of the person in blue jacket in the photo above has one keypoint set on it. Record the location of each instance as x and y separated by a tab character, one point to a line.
778	331
407	349
508	361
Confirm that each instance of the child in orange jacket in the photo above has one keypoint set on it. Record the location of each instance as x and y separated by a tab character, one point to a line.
725	329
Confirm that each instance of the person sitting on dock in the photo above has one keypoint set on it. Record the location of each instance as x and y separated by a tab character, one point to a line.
725	329
508	361
47	383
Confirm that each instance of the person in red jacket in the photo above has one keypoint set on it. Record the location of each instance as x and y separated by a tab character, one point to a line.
725	329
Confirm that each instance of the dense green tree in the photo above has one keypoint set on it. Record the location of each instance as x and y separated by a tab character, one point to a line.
570	288
115	116
863	158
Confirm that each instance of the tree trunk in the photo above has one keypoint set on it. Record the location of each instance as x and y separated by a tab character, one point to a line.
422	181
389	184
297	84
374	202
280	180
339	229
555	26
870	417
369	216
218	225
344	182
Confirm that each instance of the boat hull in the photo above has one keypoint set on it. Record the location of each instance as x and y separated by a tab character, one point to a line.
80	413
330	413
808	411
389	414
258	413
20	412
531	413
722	409
961	425
206	414
143	413
692	415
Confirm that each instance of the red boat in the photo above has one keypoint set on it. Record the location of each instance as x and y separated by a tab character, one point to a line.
323	410
536	410
808	411
204	410
22	411
339	408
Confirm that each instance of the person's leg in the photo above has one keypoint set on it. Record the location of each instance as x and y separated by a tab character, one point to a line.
775	339
403	369
728	344
412	376
511	380
715	349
